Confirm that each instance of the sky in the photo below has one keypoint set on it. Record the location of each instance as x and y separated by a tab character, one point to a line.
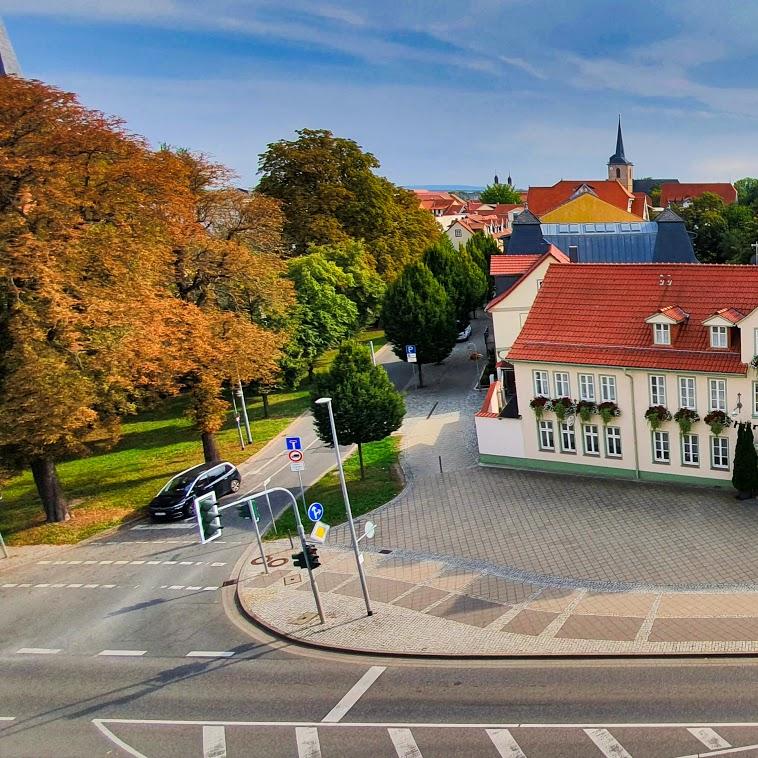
441	92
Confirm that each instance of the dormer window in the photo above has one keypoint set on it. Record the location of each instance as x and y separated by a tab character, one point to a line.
662	334
719	337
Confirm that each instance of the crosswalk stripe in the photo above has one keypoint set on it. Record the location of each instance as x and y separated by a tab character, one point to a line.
122	652
308	745
38	651
214	741
354	694
504	743
405	745
210	654
606	743
709	737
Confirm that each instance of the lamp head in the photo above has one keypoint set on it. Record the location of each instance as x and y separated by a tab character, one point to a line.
323	401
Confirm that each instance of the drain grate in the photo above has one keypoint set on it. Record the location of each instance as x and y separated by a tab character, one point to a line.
385	552
229	582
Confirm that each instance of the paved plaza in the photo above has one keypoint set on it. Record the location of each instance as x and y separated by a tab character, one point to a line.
502	562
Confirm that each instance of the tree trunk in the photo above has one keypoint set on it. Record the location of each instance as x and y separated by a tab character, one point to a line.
50	490
360	460
310	372
420	377
264	397
210	447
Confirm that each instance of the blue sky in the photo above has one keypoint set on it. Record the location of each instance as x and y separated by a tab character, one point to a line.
441	92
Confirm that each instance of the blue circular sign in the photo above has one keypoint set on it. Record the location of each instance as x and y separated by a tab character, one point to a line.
315	511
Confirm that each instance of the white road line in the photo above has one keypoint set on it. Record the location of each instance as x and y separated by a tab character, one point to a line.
210	654
104	562
176	587
606	743
214	742
75	586
123	652
209	588
504	743
10	584
136	563
120	563
145	527
90	586
7	718
42	584
116	740
89	563
709	737
57	586
194	588
153	563
38	650
218	564
108	586
169	563
308	745
353	694
72	563
186	563
405	745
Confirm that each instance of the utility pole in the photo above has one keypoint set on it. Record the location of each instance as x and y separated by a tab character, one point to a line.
241	396
237	421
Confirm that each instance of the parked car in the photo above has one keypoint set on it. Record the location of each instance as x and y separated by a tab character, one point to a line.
176	498
464	333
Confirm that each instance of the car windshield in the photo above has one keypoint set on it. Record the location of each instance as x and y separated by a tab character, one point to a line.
179	483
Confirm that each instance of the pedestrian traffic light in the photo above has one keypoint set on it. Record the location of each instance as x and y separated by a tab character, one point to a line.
312	556
208	518
299	560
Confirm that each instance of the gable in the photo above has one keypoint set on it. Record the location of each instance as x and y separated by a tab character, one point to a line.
585	208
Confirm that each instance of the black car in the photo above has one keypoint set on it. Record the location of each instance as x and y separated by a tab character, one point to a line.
176	498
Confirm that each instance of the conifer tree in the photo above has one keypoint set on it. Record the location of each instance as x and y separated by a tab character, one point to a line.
417	311
745	467
366	405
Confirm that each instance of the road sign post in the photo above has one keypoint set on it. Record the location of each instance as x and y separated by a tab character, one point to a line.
268	503
241	395
251	506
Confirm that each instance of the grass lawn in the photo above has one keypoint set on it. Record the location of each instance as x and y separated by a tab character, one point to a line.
375	336
112	486
381	484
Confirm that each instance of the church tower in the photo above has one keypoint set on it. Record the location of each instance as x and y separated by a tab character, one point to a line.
618	166
8	60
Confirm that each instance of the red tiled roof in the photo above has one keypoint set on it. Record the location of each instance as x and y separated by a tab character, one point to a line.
730	314
590	313
502	265
641	200
675	312
544	199
552	250
677	193
484	411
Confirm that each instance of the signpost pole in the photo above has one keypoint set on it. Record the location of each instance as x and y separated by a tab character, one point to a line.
244	411
254	517
2	546
270	509
237	421
303	545
373	355
302	490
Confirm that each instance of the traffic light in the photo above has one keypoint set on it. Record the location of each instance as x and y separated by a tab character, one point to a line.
299	560
312	556
209	518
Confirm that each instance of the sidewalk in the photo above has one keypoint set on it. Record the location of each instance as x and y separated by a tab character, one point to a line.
426	605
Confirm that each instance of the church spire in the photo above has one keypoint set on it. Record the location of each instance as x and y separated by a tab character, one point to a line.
8	60
618	158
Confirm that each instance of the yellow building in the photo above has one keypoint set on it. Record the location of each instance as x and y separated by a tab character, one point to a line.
587	208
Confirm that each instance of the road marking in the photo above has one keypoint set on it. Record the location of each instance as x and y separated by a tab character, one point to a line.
10	584
136	563
57	586
25	584
7	718
214	742
210	654
169	563
186	563
116	740
42	584
153	563
209	588
176	587
218	564
405	745
194	588
90	586
123	652
108	586
606	743
38	650
353	694
145	527
71	563
104	562
75	586
308	745
89	563
120	563
709	737
504	743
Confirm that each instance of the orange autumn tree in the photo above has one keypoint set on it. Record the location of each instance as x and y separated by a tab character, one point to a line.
229	274
87	314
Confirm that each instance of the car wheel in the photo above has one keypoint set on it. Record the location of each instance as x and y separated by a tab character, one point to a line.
235	485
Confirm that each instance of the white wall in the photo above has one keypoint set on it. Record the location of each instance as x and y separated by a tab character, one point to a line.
500	436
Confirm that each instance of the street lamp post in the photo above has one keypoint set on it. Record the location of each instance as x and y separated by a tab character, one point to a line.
268	502
241	396
327	401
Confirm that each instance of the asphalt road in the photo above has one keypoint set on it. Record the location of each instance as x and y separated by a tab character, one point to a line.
131	645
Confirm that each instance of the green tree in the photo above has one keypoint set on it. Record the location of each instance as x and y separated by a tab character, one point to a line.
500	193
359	280
745	467
329	193
464	283
417	311
747	191
322	318
366	405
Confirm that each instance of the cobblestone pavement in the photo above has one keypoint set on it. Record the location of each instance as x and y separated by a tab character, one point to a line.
499	562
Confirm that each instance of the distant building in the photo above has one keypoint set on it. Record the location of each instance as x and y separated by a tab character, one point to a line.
683	193
8	61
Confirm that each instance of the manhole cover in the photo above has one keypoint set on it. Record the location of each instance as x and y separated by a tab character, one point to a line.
304	618
293	579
